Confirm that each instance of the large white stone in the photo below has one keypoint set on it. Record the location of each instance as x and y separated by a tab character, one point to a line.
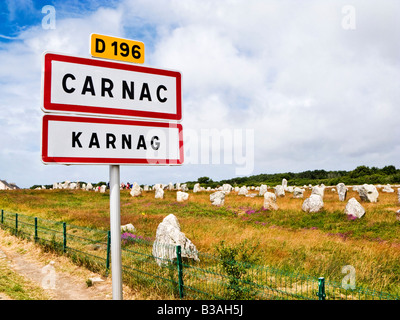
181	196
313	204
196	187
227	188
298	193
128	228
159	193
217	198
103	188
89	186
284	183
368	193
320	190
263	189
136	190
279	191
243	191
342	191
354	208
398	195
270	201
388	188
168	236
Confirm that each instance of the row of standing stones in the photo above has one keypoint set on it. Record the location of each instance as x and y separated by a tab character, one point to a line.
169	234
367	193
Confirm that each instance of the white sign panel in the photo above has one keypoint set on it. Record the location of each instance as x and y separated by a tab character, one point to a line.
81	140
92	86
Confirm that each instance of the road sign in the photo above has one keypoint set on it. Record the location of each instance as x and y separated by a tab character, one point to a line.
100	87
102	46
81	140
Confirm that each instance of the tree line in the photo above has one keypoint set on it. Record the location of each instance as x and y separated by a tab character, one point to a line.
360	175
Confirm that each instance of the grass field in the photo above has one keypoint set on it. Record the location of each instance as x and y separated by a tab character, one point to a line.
315	244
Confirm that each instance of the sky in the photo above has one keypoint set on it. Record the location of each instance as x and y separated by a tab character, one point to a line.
269	86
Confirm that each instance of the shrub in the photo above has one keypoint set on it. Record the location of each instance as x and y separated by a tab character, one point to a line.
235	262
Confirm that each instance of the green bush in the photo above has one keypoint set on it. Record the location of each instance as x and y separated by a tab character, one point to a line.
235	261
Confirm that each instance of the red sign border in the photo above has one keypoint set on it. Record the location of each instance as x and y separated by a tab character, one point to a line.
48	106
112	161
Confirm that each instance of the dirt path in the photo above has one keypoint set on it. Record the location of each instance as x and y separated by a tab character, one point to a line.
66	281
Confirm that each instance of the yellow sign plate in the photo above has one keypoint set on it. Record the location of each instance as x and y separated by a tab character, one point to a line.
102	46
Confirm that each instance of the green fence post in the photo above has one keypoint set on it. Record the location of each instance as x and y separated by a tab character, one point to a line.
108	251
2	216
16	223
180	276
36	233
321	289
65	237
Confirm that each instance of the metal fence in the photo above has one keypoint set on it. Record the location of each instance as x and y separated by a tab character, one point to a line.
209	278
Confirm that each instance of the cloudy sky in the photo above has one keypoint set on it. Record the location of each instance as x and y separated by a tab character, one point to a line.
284	85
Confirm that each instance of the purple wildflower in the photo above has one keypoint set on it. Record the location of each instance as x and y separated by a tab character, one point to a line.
351	217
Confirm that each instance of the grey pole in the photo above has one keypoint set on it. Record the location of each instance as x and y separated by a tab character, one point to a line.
115	228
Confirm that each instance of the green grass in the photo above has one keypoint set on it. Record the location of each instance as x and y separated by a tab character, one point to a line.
315	244
17	287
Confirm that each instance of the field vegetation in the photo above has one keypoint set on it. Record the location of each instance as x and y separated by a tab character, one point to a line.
315	244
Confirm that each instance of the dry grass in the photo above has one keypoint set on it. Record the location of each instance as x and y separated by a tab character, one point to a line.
315	244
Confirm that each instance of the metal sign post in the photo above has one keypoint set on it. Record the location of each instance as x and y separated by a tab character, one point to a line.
115	228
113	113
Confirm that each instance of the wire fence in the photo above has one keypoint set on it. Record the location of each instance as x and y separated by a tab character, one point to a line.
173	275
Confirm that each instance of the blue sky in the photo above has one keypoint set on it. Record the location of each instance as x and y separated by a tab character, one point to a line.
312	92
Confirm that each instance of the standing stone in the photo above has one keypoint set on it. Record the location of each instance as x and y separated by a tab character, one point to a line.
263	189
168	236
196	187
298	193
354	208
217	198
227	188
284	183
159	193
136	190
313	204
184	187
270	201
368	193
103	188
342	191
128	228
279	191
388	188
170	186
243	191
182	196
320	190
89	186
